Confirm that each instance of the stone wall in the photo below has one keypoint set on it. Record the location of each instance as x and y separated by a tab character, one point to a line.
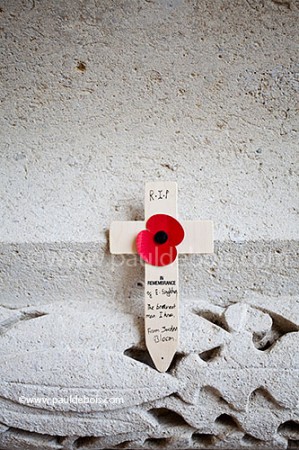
97	98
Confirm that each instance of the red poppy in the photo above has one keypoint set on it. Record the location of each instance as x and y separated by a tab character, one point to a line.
157	244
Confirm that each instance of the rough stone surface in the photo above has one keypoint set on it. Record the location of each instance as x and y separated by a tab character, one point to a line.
200	92
98	97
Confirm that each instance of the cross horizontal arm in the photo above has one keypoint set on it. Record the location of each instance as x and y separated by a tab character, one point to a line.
198	237
122	236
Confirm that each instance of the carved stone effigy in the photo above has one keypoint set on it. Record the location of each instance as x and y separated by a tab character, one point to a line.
233	382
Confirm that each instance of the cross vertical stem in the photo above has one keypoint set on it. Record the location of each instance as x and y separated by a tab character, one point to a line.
161	285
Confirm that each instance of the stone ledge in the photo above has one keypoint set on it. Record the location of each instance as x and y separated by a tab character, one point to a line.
33	274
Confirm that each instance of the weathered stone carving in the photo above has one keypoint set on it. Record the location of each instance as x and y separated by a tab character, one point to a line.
233	384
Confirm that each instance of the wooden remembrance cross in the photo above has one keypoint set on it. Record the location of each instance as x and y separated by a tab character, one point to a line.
161	282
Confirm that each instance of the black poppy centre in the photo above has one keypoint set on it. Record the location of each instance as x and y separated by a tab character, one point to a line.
160	237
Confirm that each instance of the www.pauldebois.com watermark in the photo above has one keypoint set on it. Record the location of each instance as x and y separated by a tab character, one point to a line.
71	400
